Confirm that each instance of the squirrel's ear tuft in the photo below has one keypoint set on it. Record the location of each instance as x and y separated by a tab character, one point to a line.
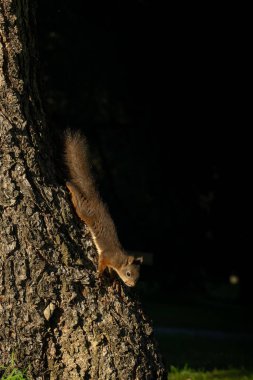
138	260
135	260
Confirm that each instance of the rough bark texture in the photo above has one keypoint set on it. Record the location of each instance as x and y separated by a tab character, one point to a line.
55	315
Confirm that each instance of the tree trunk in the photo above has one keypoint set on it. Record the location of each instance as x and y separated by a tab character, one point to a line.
55	315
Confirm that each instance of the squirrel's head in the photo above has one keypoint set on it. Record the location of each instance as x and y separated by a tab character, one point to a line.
130	271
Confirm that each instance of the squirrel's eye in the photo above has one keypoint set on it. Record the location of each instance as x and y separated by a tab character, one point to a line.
128	274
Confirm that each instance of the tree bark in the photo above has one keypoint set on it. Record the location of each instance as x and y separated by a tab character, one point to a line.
55	315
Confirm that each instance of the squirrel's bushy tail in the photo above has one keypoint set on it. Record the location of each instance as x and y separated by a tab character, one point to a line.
77	162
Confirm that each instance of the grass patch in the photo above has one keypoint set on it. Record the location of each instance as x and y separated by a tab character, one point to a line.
11	372
189	374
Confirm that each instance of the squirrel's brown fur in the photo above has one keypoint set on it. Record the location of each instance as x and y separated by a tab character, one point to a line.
90	208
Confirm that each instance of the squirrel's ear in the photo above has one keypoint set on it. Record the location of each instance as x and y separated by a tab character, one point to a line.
135	260
131	260
138	260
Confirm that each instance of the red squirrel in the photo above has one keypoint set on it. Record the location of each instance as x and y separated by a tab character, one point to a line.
91	209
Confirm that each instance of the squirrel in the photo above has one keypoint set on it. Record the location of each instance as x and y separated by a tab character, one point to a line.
91	210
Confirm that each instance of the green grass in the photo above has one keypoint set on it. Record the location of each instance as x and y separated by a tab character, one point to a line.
186	373
11	372
190	374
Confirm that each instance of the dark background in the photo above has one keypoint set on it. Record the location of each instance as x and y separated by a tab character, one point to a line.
161	93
